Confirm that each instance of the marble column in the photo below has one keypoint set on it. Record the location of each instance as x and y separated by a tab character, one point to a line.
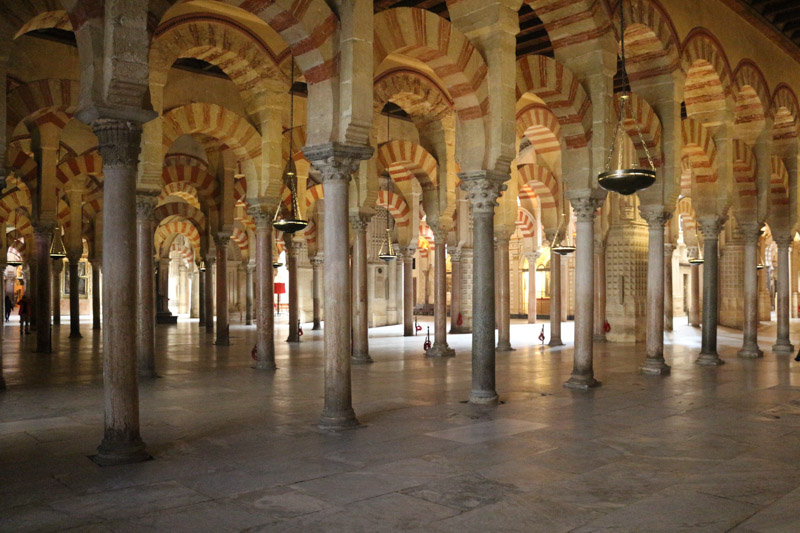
336	163
248	295
408	292
656	218
265	314
783	345
455	289
163	285
3	266
359	225
582	370
202	297
694	293
317	264
669	306
440	347
292	295
194	293
599	291
58	267
74	258
210	261
42	307
221	241
555	297
532	257
145	286
96	294
482	190
710	227
119	143
751	233
31	288
504	300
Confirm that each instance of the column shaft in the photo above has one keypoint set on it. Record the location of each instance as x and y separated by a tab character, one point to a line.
408	293
600	292
455	290
694	295
210	295
316	264
202	298
293	294
145	287
440	347
783	345
504	300
359	226
668	303
555	300
248	295
654	362
96	293
43	234
265	314
532	287
223	326
74	298
750	349
710	227
58	265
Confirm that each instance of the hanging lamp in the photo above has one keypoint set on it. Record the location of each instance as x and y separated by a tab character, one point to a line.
619	178
387	252
57	249
759	266
562	245
277	264
287	218
699	259
202	266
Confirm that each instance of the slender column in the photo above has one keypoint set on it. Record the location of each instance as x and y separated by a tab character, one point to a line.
202	297
163	285
582	370
750	349
408	292
440	347
694	294
210	261
74	257
120	143
292	295
783	345
145	286
359	225
96	293
248	295
221	241
482	190
656	217
710	227
265	314
337	163
58	266
455	288
43	235
32	280
532	257
599	291
504	315
316	264
555	300
3	266
669	249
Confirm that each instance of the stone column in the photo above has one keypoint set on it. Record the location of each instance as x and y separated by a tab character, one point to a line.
408	292
710	227
265	315
292	294
3	266
43	235
248	295
359	225
751	233
482	190
337	163
694	294
455	288
504	300
555	300
202	297
669	306
316	264
440	347
532	257
582	370
119	143
194	294
656	217
599	291
58	266
210	294
163	285
74	257
145	286
783	345
96	293
221	241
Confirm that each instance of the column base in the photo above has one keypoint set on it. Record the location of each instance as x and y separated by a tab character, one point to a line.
555	342
750	352
483	398
265	365
709	359
222	342
599	338
120	453
361	359
338	421
293	338
2	383
581	382
440	350
317	326
655	367
782	348
504	347
95	326
75	335
458	330
148	373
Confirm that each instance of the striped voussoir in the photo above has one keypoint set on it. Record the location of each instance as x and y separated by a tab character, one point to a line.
397	206
700	150
167	231
404	160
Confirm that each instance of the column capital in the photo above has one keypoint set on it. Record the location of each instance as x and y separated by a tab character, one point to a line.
44	228
335	161
483	188
655	215
222	238
74	255
360	222
317	261
783	240
585	207
408	253
710	225
455	255
533	256
751	231
261	216
119	141
145	205
669	249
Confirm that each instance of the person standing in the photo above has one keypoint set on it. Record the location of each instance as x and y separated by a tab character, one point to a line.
9	307
24	314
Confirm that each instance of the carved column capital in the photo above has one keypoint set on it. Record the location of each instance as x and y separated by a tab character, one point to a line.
669	249
221	239
359	222
783	240
317	261
483	188
585	208
44	229
145	206
119	141
710	226
408	253
261	216
654	215
455	255
337	162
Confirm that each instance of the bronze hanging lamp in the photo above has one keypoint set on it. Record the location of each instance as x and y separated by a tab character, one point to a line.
287	218
699	259
562	245
387	252
618	178
202	266
57	249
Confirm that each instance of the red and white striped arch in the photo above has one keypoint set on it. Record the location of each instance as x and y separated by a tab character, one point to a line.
753	101
744	176
540	126
526	223
197	177
44	20
699	150
639	113
182	190
786	112
86	164
397	206
180	210
778	183
708	74
239	236
49	100
652	46
536	182
167	231
573	21
312	195
404	160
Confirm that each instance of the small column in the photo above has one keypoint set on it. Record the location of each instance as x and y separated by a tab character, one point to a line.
408	292
694	294
582	370
316	264
265	314
656	217
43	235
221	241
532	257
58	267
336	163
783	345
248	295
3	266
164	265
210	262
74	257
751	233
669	307
359	225
555	295
504	322
120	143
455	289
482	190
599	291
145	286
440	347
194	280
202	297
292	248
96	294
710	227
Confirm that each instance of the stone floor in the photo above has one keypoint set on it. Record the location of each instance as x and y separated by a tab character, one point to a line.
705	449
